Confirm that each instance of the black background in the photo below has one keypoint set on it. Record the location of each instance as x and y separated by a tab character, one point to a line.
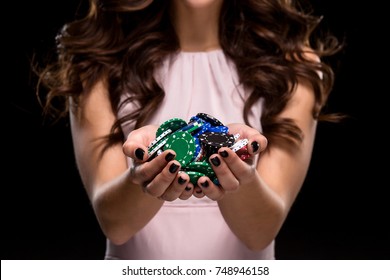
341	212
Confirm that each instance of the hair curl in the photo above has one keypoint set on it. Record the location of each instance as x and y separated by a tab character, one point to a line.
122	41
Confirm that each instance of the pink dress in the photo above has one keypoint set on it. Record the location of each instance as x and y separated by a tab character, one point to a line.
193	229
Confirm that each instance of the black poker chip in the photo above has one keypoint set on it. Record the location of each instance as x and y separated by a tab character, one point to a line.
210	119
212	141
217	139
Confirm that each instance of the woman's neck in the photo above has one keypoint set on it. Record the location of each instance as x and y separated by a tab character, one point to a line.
196	24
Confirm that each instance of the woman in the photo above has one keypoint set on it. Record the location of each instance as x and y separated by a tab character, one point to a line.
128	66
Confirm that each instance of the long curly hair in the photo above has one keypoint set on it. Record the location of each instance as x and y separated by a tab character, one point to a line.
123	41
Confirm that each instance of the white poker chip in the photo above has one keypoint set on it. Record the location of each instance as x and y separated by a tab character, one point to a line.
239	145
155	141
158	146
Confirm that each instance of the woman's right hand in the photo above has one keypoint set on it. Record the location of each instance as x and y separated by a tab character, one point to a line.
159	177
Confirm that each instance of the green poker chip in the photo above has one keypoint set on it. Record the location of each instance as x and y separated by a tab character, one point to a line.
172	124
157	146
159	138
183	144
194	176
202	167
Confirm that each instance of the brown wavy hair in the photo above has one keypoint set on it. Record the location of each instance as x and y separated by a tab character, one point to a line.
122	41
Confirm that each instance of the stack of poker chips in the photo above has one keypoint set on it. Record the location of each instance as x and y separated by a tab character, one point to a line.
194	142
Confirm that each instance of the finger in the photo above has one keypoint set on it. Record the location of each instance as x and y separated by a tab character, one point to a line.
177	188
145	172
256	141
242	171
198	193
209	189
188	191
163	180
226	177
137	142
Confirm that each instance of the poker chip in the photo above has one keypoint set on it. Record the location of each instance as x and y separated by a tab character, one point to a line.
172	124
198	149
220	128
159	138
197	119
191	127
159	145
194	142
183	144
212	141
239	144
204	128
202	167
194	176
208	118
244	156
216	181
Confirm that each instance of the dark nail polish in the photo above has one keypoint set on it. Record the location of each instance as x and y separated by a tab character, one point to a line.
224	154
181	180
205	184
187	189
255	146
215	161
198	191
169	157
173	168
139	153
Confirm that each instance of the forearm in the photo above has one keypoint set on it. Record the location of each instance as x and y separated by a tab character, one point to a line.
122	208
255	213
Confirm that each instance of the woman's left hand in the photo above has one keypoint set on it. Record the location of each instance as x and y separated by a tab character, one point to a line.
231	170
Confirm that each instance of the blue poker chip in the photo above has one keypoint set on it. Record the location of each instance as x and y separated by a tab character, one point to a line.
195	119
220	128
205	128
192	127
198	149
216	181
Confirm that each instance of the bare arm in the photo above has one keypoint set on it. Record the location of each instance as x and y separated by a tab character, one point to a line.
115	190
260	197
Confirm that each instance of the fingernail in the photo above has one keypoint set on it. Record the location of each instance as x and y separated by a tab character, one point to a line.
169	157
215	161
139	153
173	168
188	188
181	180
255	146
205	184
224	154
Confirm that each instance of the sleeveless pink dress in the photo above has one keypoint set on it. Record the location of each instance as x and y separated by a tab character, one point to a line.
194	82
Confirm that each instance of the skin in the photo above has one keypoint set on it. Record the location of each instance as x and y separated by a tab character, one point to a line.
254	197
